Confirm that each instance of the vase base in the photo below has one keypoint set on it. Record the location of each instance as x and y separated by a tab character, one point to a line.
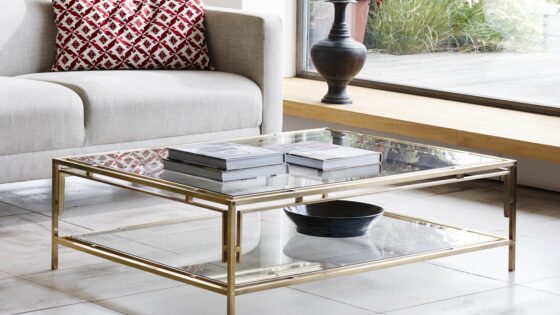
336	100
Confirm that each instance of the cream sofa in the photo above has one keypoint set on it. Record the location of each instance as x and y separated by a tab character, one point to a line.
46	114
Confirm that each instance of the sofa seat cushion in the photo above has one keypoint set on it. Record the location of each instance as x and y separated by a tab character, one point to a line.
38	116
127	105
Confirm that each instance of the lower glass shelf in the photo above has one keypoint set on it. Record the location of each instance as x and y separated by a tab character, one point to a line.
272	250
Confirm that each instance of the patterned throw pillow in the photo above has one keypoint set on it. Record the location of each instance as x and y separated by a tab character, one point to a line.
130	34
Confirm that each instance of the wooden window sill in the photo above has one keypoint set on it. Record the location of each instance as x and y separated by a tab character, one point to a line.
471	126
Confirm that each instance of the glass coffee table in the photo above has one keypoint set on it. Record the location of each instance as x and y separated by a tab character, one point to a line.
249	245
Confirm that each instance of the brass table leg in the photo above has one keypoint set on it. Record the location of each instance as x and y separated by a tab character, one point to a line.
224	236
58	181
239	228
510	211
231	253
238	238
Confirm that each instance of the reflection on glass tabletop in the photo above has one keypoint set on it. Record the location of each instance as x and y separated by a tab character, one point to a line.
398	157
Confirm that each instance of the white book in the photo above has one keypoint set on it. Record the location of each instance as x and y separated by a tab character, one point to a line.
326	156
236	187
337	174
222	175
226	155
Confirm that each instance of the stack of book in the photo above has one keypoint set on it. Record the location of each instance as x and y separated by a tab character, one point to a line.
225	161
229	161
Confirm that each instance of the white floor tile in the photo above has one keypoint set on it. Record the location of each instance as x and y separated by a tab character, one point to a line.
68	259
507	301
549	285
27	265
536	260
539	199
189	300
76	309
29	234
547	231
102	281
7	209
17	296
4	275
397	287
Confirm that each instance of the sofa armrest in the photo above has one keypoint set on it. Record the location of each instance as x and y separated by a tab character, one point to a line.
250	44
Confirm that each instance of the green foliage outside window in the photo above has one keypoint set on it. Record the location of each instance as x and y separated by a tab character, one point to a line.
426	26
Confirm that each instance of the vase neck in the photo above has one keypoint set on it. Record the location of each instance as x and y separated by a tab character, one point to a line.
340	27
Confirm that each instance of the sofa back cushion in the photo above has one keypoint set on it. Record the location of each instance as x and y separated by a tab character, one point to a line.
129	34
27	36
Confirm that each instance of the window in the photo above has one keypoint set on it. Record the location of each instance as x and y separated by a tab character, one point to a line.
494	52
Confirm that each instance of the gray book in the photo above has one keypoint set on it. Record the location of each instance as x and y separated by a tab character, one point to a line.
326	156
226	155
222	175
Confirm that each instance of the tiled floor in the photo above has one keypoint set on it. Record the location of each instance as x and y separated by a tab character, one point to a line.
469	284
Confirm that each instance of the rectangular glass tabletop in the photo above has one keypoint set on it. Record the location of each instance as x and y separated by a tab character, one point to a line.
272	249
398	158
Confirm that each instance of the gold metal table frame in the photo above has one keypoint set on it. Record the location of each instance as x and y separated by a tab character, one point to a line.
233	208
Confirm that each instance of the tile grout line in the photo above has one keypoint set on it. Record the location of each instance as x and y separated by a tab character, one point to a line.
92	300
24	278
540	279
49	289
15	214
42	213
331	299
490	278
538	290
27	211
469	273
524	285
96	301
62	220
55	307
443	300
505	285
12	205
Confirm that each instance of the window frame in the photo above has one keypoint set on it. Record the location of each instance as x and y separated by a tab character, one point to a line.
302	55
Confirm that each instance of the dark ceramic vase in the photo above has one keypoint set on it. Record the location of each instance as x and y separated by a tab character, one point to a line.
338	58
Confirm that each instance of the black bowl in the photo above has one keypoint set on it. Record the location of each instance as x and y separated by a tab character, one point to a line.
338	218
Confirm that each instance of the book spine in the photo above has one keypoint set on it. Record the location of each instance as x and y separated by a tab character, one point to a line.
181	168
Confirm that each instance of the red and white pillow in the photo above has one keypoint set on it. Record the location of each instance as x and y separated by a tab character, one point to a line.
130	34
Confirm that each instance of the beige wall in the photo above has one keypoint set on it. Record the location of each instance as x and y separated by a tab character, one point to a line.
232	4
